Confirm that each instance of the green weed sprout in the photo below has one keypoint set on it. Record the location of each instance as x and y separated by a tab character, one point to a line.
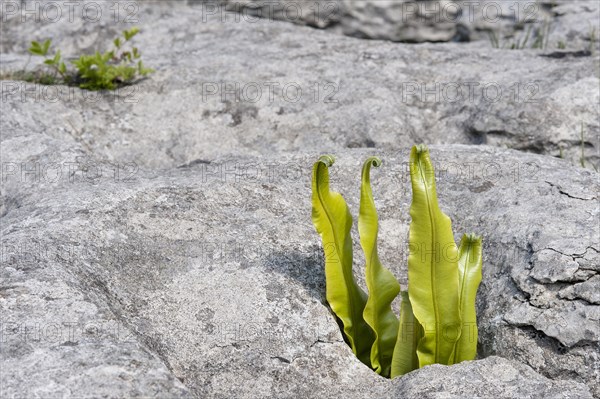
100	71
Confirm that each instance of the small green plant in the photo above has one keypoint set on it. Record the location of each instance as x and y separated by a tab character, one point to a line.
541	36
582	144
99	71
593	39
437	313
541	40
582	156
494	39
522	44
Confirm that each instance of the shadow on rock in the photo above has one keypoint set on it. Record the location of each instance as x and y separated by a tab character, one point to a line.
307	268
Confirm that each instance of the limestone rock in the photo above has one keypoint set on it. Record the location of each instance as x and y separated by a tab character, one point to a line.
216	270
220	89
555	25
491	377
157	241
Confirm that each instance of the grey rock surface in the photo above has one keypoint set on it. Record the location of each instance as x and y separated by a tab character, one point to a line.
560	24
158	244
305	90
492	377
215	269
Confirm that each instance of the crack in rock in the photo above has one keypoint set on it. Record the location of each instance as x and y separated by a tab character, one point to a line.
561	191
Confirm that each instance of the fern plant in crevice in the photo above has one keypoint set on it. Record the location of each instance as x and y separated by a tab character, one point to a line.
437	321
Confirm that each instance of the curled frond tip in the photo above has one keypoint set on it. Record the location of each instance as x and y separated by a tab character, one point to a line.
328	160
375	161
421	148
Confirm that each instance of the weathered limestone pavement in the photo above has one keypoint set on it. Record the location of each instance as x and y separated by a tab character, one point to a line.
158	242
